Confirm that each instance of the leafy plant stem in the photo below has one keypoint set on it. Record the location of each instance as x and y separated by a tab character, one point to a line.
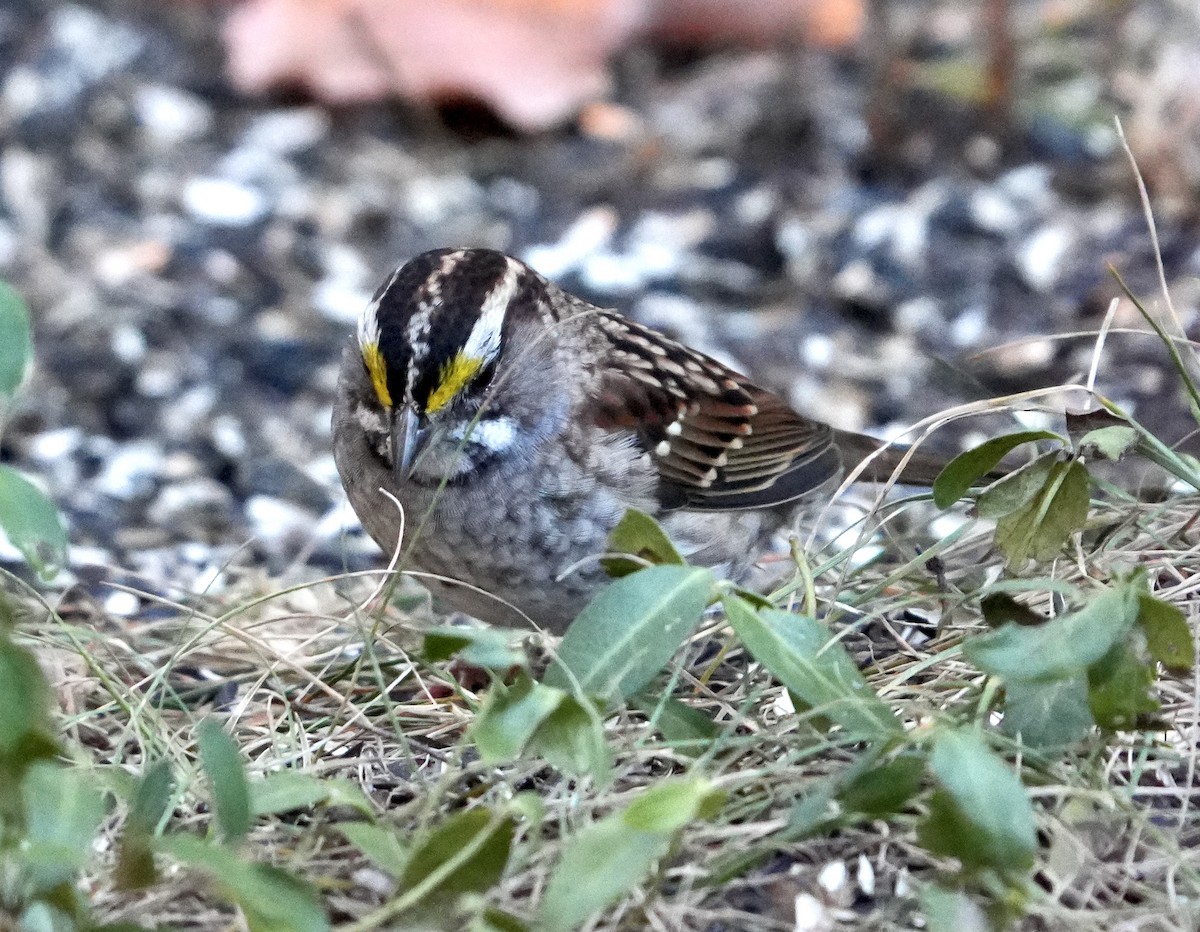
806	577
413	896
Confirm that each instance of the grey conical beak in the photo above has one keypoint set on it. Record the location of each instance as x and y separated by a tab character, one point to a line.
409	438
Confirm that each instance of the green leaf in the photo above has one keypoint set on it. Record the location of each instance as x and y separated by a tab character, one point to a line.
638	535
983	817
1048	713
687	730
812	812
1110	442
571	739
1168	637
63	811
952	911
626	635
1119	690
32	523
805	657
602	863
379	843
16	344
495	920
24	706
465	854
886	789
609	858
529	716
135	858
270	899
288	790
151	798
347	793
490	648
966	469
669	806
1017	489
1000	609
1060	647
1039	529
510	716
231	795
43	916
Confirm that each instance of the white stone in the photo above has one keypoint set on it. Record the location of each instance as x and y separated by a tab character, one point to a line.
1030	183
994	212
811	915
221	202
273	519
284	132
817	350
54	444
169	115
338	300
969	326
122	603
228	436
128	344
592	230
833	876
1041	258
866	875
131	470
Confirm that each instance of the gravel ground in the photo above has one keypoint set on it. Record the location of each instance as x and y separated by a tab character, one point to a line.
194	260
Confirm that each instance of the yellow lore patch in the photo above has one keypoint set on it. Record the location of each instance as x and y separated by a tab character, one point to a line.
454	377
378	372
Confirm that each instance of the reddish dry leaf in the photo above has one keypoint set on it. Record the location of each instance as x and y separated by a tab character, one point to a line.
535	61
828	23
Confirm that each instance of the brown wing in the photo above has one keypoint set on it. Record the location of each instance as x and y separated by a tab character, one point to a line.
719	442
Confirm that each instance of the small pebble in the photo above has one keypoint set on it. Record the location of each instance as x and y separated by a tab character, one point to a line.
221	202
122	603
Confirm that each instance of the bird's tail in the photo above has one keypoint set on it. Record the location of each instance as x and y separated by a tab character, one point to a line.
892	462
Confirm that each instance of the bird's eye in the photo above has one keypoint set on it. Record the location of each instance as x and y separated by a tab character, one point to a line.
484	379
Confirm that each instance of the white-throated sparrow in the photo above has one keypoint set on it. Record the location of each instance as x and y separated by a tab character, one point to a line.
515	423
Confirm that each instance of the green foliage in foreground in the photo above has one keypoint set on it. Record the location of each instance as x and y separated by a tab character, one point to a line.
27	517
1055	679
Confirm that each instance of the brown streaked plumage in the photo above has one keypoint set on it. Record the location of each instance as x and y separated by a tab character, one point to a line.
515	423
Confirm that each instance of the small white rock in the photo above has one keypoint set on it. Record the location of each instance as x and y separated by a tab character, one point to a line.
338	300
591	231
228	436
128	344
817	350
169	115
866	875
994	213
811	915
832	877
55	444
1040	260
273	519
122	603
221	202
131	471
969	326
285	132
